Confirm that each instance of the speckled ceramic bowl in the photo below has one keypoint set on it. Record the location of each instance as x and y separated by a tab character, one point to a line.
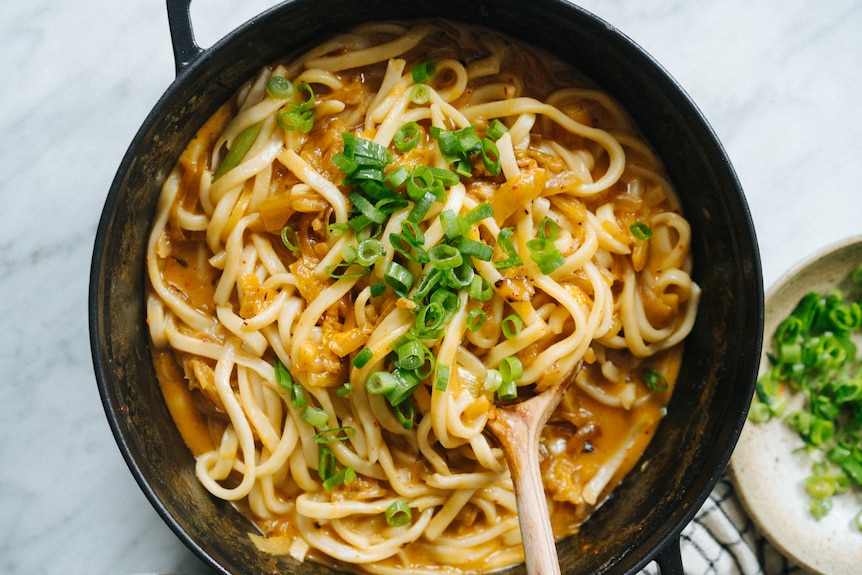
767	467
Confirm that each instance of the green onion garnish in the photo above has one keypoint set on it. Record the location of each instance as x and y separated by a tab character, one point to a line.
508	389
279	87
493	380
476	319
445	257
654	379
490	156
404	413
480	289
363	357
419	94
369	252
476	249
315	416
398	277
441	381
239	148
380	382
641	231
545	254
345	476
511	368
512	325
398	514
504	241
288	238
496	129
407	137
424	71
329	435
813	352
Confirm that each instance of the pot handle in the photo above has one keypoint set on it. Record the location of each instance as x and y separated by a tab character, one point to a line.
669	559
182	35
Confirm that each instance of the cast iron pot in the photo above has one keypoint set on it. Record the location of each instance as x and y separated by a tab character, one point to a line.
643	520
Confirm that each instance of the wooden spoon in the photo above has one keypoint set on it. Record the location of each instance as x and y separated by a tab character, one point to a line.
518	427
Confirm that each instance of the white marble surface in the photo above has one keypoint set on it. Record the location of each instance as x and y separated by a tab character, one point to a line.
780	81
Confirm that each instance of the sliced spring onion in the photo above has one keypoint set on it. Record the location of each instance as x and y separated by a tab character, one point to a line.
512	325
288	238
654	379
412	232
329	435
495	129
297	396
405	414
490	156
427	284
380	382
407	136
411	354
363	357
641	231
424	71
461	276
411	250
476	249
480	289
238	149
454	226
377	289
545	254
398	514
445	257
279	87
405	383
326	462
343	270
345	476
504	241
430	320
344	389
511	368
315	416
398	277
441	381
548	229
421	208
493	380
369	251
282	374
419	94
479	213
508	390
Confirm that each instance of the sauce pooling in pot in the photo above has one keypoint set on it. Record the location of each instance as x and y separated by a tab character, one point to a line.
373	242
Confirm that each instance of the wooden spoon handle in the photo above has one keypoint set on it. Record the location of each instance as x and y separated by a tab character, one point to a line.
518	428
535	522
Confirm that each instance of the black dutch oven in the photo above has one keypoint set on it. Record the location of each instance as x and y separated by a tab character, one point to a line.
643	519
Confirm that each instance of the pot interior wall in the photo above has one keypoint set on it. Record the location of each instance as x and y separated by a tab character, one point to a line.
691	446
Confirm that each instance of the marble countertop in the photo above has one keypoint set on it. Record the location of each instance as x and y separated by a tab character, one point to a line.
779	80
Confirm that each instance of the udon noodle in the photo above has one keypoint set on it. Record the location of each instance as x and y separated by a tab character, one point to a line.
375	241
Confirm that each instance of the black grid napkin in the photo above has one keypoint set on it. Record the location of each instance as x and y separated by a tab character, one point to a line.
722	540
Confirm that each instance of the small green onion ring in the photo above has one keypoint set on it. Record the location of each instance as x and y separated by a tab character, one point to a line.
407	137
512	325
363	357
641	231
398	514
315	416
279	87
511	368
